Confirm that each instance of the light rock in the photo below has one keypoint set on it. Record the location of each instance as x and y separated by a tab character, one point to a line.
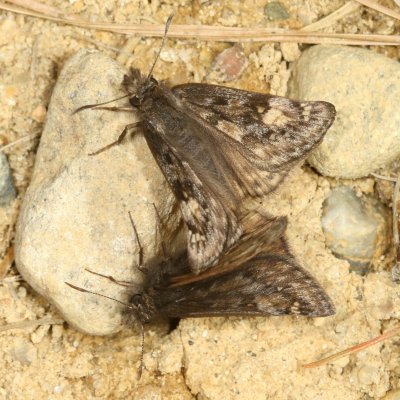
354	229
75	212
364	87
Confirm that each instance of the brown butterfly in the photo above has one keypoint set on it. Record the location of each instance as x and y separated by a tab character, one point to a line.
217	145
258	276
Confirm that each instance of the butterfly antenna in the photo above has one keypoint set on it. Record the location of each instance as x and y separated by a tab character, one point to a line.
98	294
141	365
87	106
167	24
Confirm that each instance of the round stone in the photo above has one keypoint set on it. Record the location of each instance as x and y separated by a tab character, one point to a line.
364	87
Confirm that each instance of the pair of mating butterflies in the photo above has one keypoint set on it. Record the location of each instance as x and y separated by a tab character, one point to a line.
217	145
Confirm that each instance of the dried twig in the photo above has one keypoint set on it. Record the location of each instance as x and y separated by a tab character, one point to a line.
354	349
30	324
19	140
206	32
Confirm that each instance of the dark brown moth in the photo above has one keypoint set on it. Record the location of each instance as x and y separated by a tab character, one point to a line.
217	145
258	276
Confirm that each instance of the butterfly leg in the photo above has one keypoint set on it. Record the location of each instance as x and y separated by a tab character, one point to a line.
112	279
121	137
140	266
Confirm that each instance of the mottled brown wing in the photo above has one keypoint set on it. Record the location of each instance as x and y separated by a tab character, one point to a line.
260	232
265	280
261	136
268	284
210	219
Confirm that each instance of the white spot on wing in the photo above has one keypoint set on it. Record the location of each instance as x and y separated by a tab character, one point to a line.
231	129
275	117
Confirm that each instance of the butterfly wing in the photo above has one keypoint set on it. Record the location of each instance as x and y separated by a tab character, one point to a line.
214	145
211	222
268	284
260	232
261	135
265	280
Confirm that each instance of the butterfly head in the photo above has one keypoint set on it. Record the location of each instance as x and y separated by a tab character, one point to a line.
138	87
141	307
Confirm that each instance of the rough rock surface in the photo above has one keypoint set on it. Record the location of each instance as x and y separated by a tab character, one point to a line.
75	212
364	87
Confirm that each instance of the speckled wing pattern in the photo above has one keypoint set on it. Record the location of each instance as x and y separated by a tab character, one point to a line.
260	135
212	225
268	282
217	145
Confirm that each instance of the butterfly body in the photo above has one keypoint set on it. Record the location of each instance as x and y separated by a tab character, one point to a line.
217	145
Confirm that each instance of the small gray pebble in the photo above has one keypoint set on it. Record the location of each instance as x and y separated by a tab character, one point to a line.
23	351
355	229
275	11
7	188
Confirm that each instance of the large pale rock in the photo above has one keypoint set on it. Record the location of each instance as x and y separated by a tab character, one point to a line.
365	88
75	212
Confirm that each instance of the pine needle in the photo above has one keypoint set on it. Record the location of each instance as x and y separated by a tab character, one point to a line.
354	349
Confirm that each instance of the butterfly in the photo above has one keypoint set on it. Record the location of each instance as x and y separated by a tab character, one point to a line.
217	145
258	276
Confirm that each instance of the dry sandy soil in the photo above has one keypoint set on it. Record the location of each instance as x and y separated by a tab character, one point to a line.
234	358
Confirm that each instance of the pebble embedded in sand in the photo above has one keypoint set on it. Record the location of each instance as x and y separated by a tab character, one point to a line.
364	87
229	64
7	188
75	212
355	229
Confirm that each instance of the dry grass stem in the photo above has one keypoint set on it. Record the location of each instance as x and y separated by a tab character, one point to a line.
18	141
206	32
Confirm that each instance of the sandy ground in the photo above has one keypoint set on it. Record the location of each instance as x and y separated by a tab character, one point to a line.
53	361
